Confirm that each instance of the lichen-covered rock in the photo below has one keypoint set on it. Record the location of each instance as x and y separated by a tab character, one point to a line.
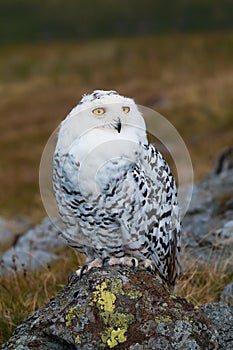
116	308
221	317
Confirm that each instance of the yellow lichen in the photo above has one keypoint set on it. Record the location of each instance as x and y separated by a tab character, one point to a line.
77	340
164	319
113	337
116	322
117	336
117	319
188	319
104	298
116	285
73	313
134	293
173	296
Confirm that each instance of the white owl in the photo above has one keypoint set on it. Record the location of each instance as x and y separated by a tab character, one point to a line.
115	192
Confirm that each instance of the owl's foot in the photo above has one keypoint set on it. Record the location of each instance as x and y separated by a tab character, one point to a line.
126	260
85	268
130	262
149	265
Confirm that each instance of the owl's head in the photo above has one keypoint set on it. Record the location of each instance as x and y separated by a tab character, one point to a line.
107	113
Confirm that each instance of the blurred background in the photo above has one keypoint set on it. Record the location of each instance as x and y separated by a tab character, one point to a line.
175	57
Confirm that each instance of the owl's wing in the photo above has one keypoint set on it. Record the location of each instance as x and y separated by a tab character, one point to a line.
165	236
68	199
151	215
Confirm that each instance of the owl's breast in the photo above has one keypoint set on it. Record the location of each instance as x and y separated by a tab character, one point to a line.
95	165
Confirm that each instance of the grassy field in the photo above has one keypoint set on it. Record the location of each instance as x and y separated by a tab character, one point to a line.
188	79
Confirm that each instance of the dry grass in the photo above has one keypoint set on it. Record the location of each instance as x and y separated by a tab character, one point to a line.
23	292
203	283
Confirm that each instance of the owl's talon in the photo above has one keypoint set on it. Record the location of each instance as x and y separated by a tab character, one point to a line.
85	268
134	264
105	261
82	271
149	266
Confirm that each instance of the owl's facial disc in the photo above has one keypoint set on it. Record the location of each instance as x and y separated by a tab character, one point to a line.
100	113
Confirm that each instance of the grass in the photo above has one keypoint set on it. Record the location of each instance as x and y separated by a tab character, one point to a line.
203	283
187	78
23	292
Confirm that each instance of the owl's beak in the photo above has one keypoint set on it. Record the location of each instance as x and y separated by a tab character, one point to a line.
117	125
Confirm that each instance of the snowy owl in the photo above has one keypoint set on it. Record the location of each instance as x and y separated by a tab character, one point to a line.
115	192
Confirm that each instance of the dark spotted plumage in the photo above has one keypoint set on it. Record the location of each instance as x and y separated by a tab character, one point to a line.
129	207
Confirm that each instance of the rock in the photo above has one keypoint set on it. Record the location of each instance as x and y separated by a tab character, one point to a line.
11	229
116	307
15	260
33	250
221	316
224	161
227	295
208	225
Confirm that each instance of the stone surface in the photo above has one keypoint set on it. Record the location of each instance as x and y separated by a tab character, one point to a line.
227	295
208	225
33	250
118	308
221	316
11	229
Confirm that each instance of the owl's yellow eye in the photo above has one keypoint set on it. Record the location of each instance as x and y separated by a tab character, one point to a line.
125	109
98	111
